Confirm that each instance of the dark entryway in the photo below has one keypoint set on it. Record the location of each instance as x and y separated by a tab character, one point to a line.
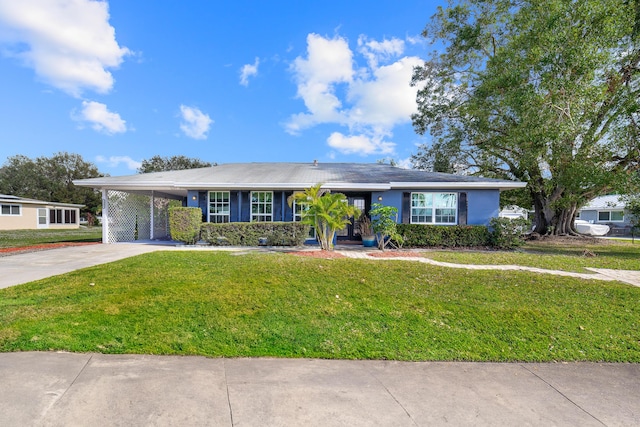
363	202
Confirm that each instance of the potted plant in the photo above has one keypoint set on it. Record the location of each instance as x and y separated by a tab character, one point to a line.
366	231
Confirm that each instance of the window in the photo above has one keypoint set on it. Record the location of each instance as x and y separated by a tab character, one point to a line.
63	216
219	206
613	216
11	210
261	206
297	217
42	216
434	208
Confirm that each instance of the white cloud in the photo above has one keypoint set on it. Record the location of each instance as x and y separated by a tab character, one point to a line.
100	118
248	70
359	144
376	51
328	62
69	43
114	161
195	124
370	100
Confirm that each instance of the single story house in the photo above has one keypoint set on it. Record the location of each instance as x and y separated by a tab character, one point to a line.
134	206
19	213
607	210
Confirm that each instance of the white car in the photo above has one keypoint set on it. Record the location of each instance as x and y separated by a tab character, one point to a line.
585	227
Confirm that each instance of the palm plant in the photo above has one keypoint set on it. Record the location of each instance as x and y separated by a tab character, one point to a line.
327	212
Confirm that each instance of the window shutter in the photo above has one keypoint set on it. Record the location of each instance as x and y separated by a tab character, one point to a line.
406	208
462	208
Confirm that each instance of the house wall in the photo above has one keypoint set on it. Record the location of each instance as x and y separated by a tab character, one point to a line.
482	205
591	215
28	218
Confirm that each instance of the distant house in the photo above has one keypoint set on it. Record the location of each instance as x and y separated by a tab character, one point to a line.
134	206
608	210
19	213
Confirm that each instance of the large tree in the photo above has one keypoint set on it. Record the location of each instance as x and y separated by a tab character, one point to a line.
50	179
542	91
160	164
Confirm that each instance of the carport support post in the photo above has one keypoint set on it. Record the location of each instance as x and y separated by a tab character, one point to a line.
105	216
151	213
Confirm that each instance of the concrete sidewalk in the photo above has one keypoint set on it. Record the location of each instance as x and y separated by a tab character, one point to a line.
63	389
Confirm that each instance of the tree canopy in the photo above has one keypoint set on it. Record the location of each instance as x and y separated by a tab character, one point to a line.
160	164
544	92
50	179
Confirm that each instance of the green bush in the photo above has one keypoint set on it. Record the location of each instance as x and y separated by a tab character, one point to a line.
421	235
250	233
184	224
508	233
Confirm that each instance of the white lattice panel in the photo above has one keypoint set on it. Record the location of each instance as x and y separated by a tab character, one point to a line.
129	217
160	218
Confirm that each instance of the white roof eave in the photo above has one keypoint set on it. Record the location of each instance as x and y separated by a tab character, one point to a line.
506	185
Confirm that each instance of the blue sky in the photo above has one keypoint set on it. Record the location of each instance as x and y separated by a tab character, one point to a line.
232	81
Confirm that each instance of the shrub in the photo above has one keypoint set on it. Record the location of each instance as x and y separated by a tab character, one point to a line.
422	235
184	224
249	233
508	233
385	225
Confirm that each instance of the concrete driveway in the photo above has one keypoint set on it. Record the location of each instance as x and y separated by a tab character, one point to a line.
65	389
27	267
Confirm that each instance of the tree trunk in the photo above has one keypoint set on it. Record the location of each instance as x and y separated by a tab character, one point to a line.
550	221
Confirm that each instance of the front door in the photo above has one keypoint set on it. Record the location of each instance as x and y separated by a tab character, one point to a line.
352	231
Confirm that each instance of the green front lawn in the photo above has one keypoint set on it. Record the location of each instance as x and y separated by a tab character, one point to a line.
22	238
220	304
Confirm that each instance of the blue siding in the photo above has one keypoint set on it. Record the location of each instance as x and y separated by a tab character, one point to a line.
482	206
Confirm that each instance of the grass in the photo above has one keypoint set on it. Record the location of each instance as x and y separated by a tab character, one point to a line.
21	238
219	304
568	257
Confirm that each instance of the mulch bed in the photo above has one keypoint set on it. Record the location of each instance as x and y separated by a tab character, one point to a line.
42	247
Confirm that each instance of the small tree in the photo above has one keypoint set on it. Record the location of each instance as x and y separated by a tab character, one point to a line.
326	212
385	221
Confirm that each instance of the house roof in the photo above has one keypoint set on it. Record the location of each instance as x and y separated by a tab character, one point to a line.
294	176
6	198
605	202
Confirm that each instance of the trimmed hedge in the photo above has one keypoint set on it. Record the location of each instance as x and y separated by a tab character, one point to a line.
421	235
184	224
249	233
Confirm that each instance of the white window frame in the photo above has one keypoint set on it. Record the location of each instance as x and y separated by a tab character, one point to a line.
60	215
431	204
297	217
609	216
263	215
45	216
219	206
11	207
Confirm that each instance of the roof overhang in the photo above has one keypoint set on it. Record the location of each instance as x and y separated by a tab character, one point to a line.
480	185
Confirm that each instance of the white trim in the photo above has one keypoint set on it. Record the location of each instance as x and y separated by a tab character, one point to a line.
11	206
46	218
449	185
209	214
251	214
609	211
433	208
105	216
